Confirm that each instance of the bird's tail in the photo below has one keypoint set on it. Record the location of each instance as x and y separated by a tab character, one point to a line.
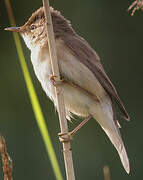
104	114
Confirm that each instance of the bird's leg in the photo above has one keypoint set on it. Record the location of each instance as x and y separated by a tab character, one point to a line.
66	137
54	81
80	125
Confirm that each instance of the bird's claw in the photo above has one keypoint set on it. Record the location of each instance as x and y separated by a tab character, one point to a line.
65	137
54	81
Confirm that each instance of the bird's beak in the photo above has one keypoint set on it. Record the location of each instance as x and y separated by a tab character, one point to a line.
13	29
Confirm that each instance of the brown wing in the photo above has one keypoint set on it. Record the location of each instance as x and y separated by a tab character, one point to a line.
86	55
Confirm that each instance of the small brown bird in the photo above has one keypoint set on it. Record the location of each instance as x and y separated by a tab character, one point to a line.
87	89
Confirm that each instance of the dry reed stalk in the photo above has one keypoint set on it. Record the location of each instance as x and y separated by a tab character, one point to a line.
106	172
6	160
136	5
59	94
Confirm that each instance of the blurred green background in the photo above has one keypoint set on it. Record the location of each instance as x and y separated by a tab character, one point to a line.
117	37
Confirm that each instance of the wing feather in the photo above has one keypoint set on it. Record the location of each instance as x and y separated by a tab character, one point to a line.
86	55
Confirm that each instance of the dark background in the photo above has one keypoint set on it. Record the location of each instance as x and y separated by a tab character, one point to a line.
117	37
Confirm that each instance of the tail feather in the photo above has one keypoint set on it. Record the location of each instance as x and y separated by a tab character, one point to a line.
103	113
116	140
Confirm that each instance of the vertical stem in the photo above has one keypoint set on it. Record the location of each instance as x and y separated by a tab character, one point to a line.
59	93
106	172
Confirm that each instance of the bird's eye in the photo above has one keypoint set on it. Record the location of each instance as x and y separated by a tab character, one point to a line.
33	27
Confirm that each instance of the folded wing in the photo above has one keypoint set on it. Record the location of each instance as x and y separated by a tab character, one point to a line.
87	56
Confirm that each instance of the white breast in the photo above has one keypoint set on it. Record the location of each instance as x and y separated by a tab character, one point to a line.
43	71
76	100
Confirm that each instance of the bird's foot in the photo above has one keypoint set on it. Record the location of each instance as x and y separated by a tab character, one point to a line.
54	81
65	137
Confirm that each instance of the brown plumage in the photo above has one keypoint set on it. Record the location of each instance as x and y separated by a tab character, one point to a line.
81	49
87	88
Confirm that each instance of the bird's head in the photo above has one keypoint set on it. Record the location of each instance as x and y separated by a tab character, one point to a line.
34	30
